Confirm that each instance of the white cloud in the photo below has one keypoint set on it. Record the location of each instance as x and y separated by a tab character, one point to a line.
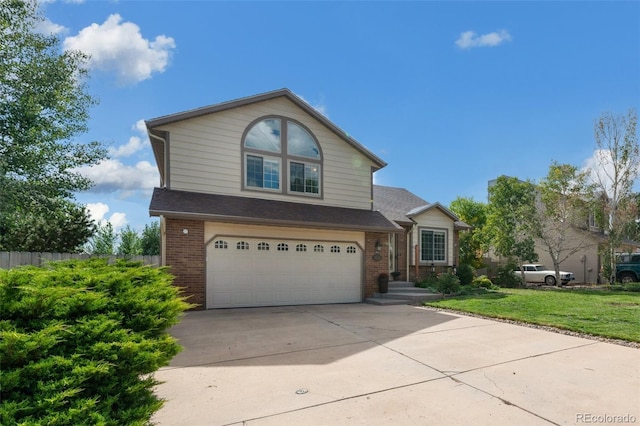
118	221
469	39
600	167
135	143
98	211
46	27
119	47
112	176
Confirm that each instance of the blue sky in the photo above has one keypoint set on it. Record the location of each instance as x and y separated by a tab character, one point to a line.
449	94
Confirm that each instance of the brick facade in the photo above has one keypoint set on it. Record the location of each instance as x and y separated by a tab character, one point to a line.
186	255
374	267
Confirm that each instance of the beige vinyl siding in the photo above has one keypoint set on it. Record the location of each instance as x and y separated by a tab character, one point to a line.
436	220
205	156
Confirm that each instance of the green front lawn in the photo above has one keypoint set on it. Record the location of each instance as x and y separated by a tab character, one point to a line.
604	313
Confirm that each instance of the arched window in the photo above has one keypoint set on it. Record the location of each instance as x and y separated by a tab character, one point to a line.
281	155
263	246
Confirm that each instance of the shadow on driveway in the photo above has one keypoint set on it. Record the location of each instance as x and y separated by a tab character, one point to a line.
215	336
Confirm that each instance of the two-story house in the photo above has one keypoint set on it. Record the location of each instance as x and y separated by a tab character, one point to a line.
263	201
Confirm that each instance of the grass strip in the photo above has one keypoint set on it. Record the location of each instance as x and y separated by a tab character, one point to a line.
608	314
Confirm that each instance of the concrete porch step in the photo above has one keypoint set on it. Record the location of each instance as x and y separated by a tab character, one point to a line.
383	301
405	293
393	284
412	295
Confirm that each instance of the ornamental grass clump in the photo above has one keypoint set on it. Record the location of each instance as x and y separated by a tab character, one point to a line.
80	341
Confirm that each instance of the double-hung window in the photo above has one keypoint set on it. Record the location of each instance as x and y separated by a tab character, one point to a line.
433	245
276	142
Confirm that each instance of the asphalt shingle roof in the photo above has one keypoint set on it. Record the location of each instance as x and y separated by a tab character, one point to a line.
395	203
215	207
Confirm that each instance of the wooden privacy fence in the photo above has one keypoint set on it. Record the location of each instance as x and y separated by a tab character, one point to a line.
11	259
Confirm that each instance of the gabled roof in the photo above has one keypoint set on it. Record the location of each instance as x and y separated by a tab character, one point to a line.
422	209
228	208
401	206
395	203
286	93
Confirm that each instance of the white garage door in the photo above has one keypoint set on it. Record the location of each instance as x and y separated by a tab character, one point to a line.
244	272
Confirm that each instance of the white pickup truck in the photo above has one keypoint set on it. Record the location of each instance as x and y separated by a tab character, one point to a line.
537	273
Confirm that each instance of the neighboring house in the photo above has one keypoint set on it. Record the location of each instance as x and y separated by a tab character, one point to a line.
263	201
429	233
585	263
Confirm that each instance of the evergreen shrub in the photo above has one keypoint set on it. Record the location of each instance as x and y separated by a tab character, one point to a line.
448	283
465	274
506	276
482	281
80	341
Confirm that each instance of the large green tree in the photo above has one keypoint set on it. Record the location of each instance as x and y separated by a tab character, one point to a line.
562	213
44	107
130	242
150	240
103	241
615	172
471	243
510	219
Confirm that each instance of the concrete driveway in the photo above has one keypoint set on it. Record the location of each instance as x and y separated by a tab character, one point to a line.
390	365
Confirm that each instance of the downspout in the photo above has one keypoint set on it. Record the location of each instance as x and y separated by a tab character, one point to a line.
416	264
163	237
164	163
